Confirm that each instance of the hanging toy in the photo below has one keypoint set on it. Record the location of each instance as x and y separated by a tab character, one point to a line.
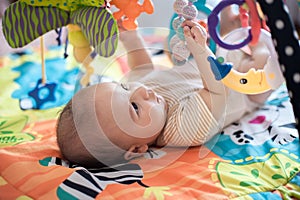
204	9
253	81
213	21
44	90
186	11
26	20
256	23
91	26
41	94
130	10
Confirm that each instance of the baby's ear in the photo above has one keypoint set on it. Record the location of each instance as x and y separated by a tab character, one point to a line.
135	151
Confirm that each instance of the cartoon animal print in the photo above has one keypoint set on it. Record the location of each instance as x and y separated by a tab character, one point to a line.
88	183
242	137
270	122
252	128
283	134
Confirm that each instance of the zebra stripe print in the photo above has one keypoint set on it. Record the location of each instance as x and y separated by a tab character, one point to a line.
88	183
99	27
85	184
23	23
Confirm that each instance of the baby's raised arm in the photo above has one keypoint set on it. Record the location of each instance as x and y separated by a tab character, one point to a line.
137	55
196	37
214	92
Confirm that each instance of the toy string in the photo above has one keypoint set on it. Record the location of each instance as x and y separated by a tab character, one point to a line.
43	60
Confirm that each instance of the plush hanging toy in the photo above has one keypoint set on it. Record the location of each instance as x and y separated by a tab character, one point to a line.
82	51
89	24
27	20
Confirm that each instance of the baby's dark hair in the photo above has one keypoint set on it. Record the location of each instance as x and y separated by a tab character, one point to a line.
68	141
71	146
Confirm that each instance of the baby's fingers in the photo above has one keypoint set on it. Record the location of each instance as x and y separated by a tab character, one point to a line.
190	23
199	34
187	31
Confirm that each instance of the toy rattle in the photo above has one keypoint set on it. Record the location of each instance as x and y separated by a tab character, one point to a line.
204	10
254	81
185	10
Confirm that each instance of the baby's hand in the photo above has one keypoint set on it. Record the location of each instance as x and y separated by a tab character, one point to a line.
126	35
195	35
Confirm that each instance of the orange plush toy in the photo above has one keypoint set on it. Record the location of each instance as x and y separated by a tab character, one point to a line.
130	10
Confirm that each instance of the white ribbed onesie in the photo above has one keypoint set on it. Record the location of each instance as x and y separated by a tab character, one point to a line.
189	121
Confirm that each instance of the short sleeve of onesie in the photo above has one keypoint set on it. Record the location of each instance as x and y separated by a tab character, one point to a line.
190	123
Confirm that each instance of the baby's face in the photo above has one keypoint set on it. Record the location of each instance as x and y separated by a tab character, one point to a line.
130	113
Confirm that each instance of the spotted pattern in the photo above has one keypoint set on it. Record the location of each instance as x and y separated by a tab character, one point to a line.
286	43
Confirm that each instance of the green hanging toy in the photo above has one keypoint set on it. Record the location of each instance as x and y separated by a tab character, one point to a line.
26	20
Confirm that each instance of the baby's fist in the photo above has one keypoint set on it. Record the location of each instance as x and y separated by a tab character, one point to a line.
195	35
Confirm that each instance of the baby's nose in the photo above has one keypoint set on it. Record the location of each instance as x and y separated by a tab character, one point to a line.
144	93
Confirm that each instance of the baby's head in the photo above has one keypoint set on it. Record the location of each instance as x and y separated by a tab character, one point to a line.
110	123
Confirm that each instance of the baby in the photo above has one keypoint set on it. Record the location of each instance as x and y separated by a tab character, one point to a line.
111	123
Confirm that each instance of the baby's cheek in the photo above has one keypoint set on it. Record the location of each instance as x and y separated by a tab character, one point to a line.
157	117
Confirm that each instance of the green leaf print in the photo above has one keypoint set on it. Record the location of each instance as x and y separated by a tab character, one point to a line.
12	124
287	165
248	183
11	131
255	173
277	176
266	175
